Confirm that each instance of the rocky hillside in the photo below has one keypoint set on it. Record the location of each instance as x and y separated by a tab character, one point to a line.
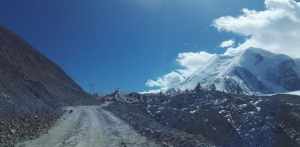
31	88
29	80
210	118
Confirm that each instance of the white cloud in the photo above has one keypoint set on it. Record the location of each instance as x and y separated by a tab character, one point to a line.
227	44
189	62
277	28
167	81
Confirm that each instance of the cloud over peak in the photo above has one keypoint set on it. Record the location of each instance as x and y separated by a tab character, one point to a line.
227	44
189	62
277	28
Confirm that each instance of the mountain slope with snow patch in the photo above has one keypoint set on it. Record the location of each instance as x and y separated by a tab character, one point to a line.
251	71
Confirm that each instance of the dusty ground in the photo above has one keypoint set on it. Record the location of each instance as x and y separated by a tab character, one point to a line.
89	126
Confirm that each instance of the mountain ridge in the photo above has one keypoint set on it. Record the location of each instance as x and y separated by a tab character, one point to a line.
253	71
32	90
28	74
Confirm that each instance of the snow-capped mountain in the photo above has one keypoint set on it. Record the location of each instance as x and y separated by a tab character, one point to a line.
251	71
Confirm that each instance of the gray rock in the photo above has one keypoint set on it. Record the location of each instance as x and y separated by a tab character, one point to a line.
32	88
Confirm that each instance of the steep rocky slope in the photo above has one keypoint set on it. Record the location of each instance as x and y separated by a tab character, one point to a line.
31	89
29	79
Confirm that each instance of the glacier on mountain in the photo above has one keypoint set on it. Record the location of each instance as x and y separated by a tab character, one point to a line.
251	71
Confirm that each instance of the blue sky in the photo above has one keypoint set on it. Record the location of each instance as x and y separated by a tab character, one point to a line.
109	44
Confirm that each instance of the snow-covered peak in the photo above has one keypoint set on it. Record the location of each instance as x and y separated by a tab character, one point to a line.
250	71
293	93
